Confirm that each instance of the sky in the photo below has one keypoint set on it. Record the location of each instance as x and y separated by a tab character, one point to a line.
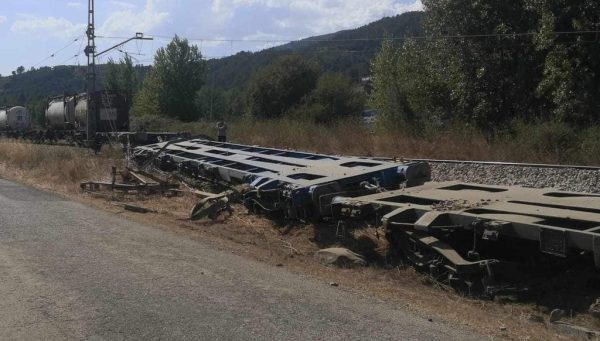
31	31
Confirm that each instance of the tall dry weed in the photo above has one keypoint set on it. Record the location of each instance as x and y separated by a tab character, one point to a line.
56	167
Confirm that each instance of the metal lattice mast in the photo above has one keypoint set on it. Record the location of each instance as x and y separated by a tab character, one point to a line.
90	52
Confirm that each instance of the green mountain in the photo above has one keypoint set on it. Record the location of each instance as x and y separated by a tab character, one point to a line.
349	52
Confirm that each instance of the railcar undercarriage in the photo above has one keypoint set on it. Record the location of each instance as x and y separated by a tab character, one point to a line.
483	239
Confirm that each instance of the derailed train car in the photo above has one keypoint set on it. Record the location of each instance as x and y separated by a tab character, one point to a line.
482	239
14	121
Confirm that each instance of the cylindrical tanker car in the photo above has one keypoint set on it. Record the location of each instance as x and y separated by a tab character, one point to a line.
112	111
14	120
60	113
66	118
67	115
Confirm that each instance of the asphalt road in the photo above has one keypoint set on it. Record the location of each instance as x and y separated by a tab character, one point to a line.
71	272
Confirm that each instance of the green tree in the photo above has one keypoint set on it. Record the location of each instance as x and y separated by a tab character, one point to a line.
112	75
147	101
407	89
571	63
20	70
211	103
181	72
492	76
273	91
335	96
122	76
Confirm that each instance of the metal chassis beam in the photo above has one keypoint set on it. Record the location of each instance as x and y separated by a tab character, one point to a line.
514	219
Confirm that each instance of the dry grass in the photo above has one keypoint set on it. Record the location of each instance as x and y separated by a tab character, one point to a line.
55	168
544	143
61	169
547	143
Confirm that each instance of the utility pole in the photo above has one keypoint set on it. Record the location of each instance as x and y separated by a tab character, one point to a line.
90	52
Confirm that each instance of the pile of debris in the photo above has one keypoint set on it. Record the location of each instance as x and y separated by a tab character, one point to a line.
137	182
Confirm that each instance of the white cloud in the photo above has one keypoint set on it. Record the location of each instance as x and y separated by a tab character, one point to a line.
320	16
325	15
122	4
2	19
261	40
48	26
128	21
74	4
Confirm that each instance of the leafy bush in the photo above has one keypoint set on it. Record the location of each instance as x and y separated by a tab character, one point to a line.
551	141
273	91
590	145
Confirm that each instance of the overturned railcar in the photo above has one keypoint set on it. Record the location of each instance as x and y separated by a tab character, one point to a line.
480	238
298	185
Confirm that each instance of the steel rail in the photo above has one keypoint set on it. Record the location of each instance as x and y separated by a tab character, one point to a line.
514	164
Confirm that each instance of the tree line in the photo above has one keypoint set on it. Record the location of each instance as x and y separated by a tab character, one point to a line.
489	63
293	86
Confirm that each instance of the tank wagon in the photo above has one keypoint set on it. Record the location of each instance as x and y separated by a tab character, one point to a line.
60	113
112	111
69	112
65	118
14	120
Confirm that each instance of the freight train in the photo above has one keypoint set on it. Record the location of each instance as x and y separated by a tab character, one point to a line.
65	122
65	118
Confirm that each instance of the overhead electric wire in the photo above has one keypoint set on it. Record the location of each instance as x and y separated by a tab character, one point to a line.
317	40
313	40
63	62
299	41
80	50
59	50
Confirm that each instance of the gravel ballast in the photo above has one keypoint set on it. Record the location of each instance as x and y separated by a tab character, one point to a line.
564	179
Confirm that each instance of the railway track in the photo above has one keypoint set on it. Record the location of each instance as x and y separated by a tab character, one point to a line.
511	164
575	178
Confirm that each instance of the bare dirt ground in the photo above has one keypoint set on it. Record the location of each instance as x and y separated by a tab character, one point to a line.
286	245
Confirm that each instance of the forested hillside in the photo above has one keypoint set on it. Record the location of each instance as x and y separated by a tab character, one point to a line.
351	54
